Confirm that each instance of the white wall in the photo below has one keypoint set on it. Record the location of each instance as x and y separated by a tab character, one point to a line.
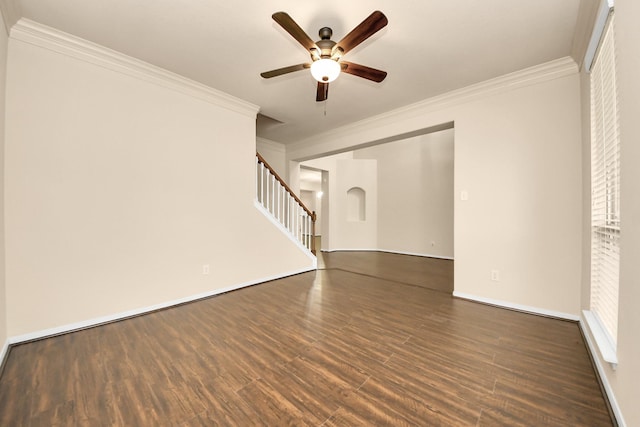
625	380
309	191
343	173
627	384
328	166
121	184
518	157
274	153
414	191
308	199
415	194
4	40
347	232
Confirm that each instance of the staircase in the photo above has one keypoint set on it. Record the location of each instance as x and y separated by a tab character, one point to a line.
275	196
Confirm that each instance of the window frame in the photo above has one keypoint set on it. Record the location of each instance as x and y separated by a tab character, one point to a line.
605	231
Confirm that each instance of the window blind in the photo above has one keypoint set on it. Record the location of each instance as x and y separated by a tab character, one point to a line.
605	185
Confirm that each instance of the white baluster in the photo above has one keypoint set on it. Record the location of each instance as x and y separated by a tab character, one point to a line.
259	172
304	227
298	222
280	198
265	187
273	194
262	183
281	204
308	231
287	196
295	221
266	194
289	212
285	202
285	215
279	201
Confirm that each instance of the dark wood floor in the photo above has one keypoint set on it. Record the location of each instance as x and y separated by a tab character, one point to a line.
337	347
432	273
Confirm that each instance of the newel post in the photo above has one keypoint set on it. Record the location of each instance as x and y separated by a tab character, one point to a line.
313	232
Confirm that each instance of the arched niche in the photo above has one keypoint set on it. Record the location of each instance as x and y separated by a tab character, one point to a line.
356	204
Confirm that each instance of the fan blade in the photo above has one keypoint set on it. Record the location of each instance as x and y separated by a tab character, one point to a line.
294	29
363	71
284	70
323	91
374	23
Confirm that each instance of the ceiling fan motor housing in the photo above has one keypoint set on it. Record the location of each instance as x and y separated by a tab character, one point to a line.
325	44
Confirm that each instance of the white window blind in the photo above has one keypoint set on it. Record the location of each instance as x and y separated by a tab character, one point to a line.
605	186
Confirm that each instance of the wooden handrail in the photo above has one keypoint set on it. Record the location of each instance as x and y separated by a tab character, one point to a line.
311	214
286	187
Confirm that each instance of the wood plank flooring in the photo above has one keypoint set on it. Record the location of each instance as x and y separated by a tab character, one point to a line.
432	273
363	342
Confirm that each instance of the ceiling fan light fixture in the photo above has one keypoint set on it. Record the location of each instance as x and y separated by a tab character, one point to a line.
325	70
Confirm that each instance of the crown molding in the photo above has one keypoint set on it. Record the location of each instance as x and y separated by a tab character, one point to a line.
529	76
31	32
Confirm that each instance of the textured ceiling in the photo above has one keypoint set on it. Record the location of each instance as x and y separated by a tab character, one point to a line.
428	48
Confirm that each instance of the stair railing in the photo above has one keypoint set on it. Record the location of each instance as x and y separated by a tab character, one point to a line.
276	197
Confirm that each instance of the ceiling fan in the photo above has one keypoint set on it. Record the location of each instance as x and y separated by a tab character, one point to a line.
326	55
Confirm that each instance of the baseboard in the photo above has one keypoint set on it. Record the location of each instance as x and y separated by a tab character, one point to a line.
4	353
389	252
613	403
350	250
90	323
518	307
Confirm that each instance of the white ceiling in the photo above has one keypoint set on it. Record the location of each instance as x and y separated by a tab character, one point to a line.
429	47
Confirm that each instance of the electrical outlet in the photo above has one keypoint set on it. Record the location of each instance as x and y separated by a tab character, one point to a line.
495	275
205	269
